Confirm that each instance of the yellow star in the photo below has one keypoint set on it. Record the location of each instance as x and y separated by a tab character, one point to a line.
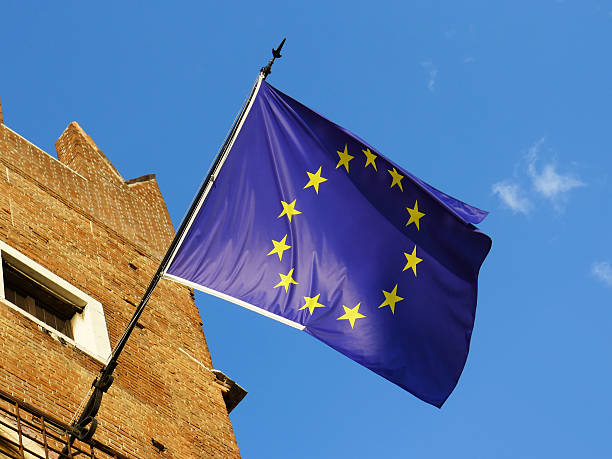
279	247
312	303
286	279
390	299
344	158
289	210
351	314
397	178
413	261
315	180
370	157
415	215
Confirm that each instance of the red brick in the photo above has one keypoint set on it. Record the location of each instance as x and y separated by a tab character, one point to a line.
81	220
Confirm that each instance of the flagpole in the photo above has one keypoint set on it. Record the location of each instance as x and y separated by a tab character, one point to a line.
85	426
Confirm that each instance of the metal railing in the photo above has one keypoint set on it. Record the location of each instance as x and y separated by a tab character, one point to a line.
27	432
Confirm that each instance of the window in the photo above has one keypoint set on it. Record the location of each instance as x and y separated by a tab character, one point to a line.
67	313
37	299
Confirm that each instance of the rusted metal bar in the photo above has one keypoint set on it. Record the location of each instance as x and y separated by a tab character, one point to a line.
44	432
45	444
58	438
69	445
33	410
48	424
18	415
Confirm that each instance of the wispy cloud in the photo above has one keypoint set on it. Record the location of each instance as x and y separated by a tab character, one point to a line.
469	60
536	179
603	271
512	196
547	181
432	73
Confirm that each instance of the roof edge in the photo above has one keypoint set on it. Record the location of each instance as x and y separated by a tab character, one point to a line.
143	178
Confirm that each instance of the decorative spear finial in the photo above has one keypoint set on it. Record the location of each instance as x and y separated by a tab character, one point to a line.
275	54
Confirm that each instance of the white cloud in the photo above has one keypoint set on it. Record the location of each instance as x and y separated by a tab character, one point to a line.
547	181
512	196
603	271
535	178
550	183
432	72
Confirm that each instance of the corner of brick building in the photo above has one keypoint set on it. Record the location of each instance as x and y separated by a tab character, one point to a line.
78	218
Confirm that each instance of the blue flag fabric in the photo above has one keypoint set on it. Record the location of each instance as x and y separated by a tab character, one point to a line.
310	223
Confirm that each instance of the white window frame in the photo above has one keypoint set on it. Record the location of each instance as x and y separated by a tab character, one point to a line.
88	327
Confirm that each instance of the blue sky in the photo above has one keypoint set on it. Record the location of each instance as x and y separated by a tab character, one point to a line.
505	105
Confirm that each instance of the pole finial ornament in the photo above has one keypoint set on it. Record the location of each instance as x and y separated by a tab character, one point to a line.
276	53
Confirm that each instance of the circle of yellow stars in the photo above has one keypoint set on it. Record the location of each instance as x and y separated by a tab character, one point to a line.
315	179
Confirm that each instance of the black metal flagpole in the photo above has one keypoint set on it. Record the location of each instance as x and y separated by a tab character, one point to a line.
85	426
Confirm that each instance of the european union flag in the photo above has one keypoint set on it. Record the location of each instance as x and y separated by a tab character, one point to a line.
307	223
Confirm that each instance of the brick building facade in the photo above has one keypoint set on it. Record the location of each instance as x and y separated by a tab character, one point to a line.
76	231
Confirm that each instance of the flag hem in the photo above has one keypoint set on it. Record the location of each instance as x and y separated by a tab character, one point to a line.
234	300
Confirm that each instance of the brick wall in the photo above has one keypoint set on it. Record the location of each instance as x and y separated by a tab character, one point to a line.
78	218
